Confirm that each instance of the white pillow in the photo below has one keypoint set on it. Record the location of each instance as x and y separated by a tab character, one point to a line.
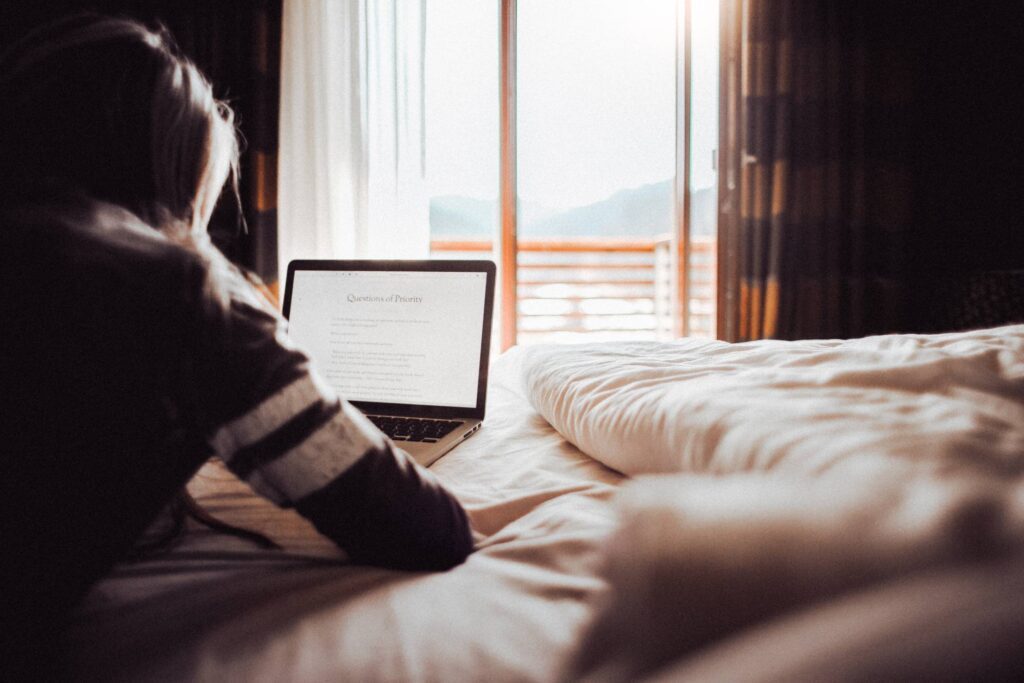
697	558
807	406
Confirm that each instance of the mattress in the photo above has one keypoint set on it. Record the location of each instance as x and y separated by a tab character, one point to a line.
770	477
217	607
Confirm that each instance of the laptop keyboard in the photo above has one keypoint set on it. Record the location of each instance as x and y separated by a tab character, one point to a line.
413	429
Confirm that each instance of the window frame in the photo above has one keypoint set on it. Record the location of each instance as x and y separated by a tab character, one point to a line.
507	252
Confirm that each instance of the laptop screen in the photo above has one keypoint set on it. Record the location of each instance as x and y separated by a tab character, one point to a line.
408	337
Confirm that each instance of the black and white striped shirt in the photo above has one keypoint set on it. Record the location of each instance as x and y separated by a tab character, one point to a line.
128	361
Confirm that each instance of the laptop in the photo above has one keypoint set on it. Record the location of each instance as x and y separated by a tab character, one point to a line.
406	342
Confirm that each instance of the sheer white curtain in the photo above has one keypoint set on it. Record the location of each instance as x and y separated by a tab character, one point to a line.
351	166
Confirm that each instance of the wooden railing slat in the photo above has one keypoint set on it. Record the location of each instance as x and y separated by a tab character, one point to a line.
594	280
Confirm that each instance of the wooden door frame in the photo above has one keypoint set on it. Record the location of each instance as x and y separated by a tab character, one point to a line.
507	243
508	279
681	185
730	145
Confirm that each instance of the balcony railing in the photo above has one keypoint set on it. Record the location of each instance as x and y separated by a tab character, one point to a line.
583	289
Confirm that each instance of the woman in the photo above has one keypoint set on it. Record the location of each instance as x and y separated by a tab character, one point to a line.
134	352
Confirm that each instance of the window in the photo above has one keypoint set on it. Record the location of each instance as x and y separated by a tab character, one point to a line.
573	142
461	69
701	267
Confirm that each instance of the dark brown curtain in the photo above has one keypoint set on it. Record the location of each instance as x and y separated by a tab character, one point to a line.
815	182
236	43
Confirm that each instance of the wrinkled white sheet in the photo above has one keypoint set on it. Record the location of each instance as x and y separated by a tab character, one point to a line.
783	474
700	558
894	402
849	463
220	609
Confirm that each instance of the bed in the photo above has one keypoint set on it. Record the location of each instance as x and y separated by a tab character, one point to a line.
687	508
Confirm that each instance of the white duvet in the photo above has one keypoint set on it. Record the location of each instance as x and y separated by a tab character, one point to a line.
691	405
800	471
690	558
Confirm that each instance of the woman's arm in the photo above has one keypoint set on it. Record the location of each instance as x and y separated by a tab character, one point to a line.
282	429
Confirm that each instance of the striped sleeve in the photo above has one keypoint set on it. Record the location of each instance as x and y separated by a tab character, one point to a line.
294	442
287	433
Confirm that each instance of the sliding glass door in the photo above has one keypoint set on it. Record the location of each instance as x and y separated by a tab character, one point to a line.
595	146
573	141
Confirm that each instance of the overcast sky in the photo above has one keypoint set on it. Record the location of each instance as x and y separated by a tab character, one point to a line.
596	97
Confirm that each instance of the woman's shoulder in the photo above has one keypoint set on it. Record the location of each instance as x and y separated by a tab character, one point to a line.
86	241
82	229
70	259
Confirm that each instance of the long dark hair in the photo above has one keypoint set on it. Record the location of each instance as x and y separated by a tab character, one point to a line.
110	107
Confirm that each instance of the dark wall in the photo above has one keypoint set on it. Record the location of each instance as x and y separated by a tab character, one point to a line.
969	165
963	262
221	37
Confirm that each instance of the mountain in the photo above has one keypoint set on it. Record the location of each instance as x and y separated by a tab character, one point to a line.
455	215
633	212
644	210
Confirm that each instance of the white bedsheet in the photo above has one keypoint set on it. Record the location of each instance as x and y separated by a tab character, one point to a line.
219	609
810	432
700	558
783	474
895	402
